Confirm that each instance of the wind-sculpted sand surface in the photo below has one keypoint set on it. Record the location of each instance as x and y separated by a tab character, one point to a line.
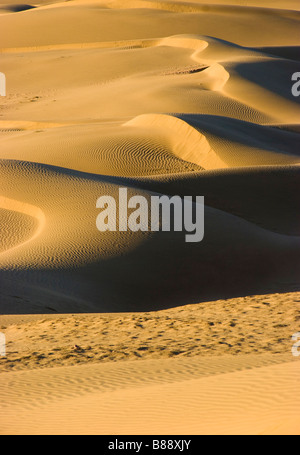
161	98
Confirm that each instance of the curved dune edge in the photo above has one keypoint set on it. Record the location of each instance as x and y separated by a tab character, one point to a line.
93	266
16	228
244	144
26	209
186	143
69	236
98	150
185	41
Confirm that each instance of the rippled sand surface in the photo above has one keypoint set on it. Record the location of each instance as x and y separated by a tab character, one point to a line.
134	332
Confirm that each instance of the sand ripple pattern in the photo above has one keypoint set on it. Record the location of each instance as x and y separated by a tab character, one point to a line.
180	103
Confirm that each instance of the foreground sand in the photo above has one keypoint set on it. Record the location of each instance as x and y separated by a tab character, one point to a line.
141	333
227	395
220	367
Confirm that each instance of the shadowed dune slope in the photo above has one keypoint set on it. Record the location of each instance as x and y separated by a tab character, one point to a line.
70	257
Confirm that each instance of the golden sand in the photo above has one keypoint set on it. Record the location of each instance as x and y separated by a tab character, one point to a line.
142	333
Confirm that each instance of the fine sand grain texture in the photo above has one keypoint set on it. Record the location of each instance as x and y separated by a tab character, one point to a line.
250	325
142	332
233	395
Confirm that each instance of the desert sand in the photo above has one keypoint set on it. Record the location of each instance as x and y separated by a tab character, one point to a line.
141	332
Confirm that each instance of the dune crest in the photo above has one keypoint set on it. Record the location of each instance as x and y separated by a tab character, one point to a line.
186	143
25	209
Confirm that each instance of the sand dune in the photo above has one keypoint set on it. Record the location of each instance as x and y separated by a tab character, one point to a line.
25	227
162	97
166	18
69	254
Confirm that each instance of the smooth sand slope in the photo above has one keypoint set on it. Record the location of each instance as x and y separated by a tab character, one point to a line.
162	98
